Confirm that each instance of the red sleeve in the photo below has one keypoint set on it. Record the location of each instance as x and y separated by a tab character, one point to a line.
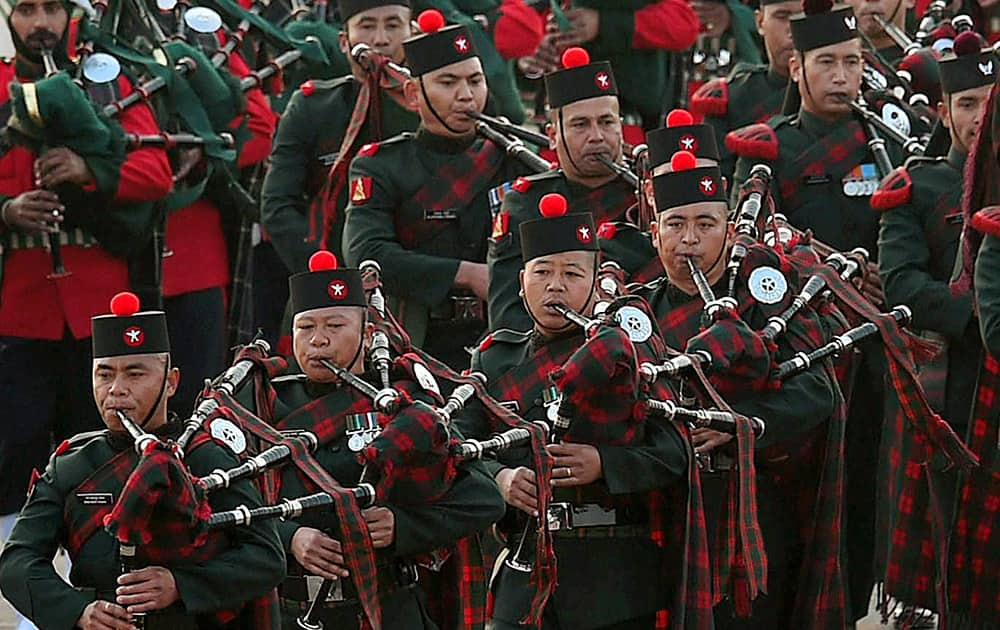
651	29
261	121
146	174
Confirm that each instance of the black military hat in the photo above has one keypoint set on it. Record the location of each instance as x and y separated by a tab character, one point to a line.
822	23
325	285
127	331
557	232
681	134
350	8
687	183
438	45
972	65
579	79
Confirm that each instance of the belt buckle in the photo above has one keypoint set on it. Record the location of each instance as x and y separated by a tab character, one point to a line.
559	516
313	583
592	515
467	307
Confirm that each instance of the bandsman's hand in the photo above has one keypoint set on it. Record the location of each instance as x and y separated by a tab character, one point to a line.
319	554
871	286
60	165
586	25
714	16
475	277
189	158
34	211
381	526
151	588
545	59
705	440
102	615
574	464
517	486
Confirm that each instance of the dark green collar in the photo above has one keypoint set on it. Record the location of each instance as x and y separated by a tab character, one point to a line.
819	127
957	157
775	79
443	144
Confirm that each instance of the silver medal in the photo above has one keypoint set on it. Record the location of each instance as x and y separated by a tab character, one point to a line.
767	285
356	442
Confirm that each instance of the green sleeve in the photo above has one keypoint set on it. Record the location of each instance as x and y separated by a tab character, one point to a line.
904	259
616	32
370	233
471	505
744	30
503	260
27	578
661	459
802	403
284	208
252	565
988	293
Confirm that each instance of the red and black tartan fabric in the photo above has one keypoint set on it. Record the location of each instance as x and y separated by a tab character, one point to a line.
740	357
453	186
367	108
973	579
607	203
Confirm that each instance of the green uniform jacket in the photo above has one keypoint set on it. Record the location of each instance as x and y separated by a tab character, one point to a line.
251	565
606	203
812	195
306	145
988	293
602	580
422	277
918	244
481	16
756	93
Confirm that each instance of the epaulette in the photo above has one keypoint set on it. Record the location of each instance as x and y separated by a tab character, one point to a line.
757	141
711	99
312	86
77	442
916	161
370	149
987	221
744	69
503	335
539	177
895	190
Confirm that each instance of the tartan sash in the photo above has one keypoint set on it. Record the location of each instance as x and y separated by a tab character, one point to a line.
607	203
833	155
453	187
366	109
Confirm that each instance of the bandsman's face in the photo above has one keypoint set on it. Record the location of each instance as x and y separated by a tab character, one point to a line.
39	23
590	128
382	28
829	78
775	28
333	333
962	113
889	10
698	230
565	279
450	92
132	384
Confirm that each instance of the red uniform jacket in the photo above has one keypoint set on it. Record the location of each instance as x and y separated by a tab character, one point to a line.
199	258
36	307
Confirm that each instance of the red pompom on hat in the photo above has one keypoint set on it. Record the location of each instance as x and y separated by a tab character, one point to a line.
575	57
968	43
125	304
518	31
430	21
322	261
679	118
683	161
815	7
552	205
